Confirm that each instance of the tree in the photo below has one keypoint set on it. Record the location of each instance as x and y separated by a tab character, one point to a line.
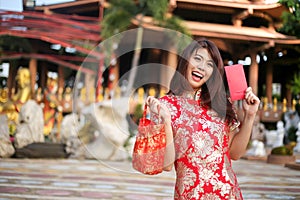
14	44
118	17
291	19
295	84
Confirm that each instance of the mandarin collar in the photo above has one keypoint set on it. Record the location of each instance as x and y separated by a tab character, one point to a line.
193	95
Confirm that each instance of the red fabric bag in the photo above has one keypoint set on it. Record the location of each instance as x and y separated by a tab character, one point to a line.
149	148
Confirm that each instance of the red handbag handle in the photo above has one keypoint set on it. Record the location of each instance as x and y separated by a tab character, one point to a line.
145	111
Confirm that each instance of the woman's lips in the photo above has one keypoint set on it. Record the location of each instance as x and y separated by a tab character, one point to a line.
197	76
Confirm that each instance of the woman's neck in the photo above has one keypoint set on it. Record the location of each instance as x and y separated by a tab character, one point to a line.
193	94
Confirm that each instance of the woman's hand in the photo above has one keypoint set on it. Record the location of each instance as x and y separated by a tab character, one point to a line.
156	107
251	102
239	141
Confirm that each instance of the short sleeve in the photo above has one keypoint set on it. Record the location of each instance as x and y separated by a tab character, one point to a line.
233	126
171	103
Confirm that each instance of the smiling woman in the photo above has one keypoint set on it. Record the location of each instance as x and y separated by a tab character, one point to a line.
200	68
202	129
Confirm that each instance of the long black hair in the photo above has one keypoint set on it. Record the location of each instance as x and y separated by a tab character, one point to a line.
213	93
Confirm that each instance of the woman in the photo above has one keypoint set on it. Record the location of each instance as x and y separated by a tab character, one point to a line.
203	133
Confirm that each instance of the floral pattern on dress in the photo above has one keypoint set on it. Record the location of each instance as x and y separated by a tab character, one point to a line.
203	166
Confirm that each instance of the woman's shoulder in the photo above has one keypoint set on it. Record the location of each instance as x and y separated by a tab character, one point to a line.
172	103
170	98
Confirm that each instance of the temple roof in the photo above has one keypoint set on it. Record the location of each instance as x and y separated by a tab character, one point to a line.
77	24
231	32
240	33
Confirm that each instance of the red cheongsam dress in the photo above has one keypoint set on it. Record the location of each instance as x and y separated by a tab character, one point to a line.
203	166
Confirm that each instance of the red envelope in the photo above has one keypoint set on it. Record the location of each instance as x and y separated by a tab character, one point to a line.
236	81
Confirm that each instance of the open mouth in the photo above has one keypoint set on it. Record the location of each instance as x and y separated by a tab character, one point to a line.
197	75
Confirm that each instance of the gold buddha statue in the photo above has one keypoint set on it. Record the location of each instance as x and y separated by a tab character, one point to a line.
12	117
52	104
12	106
23	86
3	97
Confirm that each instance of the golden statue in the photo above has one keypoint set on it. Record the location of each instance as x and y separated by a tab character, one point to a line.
92	95
162	92
12	117
152	91
67	100
12	106
265	103
275	102
51	104
83	94
24	88
141	93
4	95
284	105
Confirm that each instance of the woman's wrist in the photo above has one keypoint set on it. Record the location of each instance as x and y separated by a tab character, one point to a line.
249	116
167	120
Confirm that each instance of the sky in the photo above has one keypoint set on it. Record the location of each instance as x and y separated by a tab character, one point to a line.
46	2
16	5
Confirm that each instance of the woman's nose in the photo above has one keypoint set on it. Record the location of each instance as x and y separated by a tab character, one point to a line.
201	66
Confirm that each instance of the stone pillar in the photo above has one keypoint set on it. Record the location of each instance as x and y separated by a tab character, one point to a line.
89	83
61	78
171	62
269	74
253	73
33	70
115	73
43	75
269	81
11	77
289	98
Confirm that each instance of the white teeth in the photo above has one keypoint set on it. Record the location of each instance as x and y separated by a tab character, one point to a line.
197	74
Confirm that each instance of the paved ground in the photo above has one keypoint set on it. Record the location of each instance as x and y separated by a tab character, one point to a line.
91	179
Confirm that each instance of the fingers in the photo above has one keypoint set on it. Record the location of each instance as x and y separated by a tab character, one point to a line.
250	97
151	100
153	103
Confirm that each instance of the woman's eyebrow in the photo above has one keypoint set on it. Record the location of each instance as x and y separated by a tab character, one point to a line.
198	54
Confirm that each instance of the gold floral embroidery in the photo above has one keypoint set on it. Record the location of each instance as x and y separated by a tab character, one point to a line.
202	164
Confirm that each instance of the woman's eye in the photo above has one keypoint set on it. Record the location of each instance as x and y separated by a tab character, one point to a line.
210	65
197	58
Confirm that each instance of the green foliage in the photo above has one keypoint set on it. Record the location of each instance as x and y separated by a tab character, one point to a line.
11	43
291	134
138	112
158	9
291	20
282	150
295	84
117	17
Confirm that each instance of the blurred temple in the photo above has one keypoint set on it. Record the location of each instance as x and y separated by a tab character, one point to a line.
53	41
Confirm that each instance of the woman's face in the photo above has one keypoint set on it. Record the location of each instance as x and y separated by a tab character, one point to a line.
200	68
